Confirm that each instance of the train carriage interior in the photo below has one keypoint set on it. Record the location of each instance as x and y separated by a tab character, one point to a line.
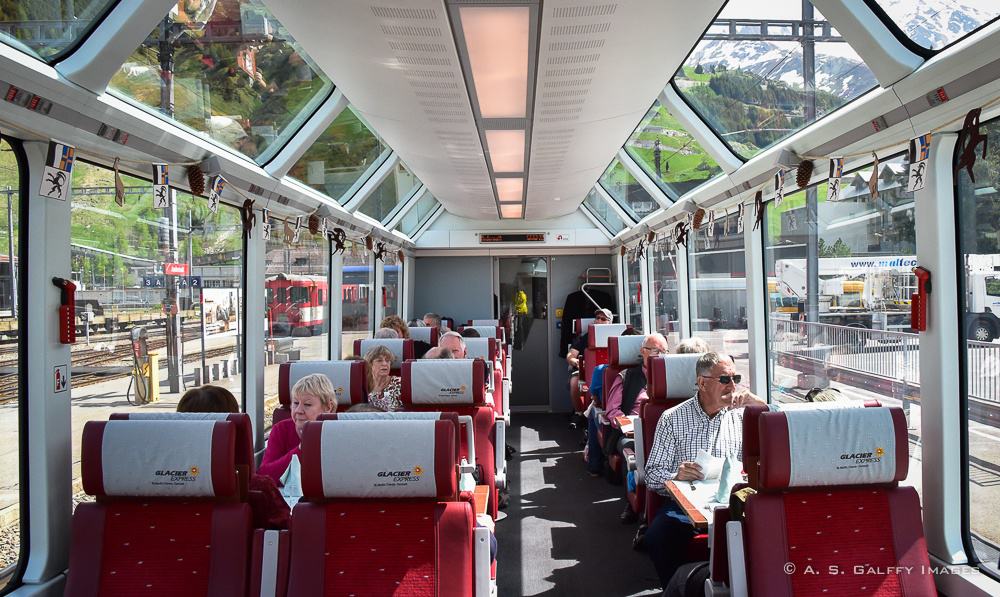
499	297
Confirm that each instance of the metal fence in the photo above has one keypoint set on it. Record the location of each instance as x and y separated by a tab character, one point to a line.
889	355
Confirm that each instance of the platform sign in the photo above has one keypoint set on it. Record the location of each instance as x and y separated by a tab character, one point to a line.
153	282
175	269
189	282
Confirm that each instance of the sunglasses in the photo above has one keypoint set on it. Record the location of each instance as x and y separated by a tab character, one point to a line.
654	350
726	379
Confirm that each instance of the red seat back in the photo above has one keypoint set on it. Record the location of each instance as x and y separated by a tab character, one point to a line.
596	352
347	377
424	334
168	517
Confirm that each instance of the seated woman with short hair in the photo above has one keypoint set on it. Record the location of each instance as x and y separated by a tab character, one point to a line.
384	388
312	396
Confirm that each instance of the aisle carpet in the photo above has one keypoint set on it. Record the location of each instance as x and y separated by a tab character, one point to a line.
562	535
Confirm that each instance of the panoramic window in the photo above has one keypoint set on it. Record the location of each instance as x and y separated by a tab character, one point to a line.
939	24
159	299
391	193
48	29
633	266
979	242
627	192
747	77
342	159
392	284
853	336
670	156
356	283
418	214
238	77
718	288
600	209
297	314
11	316
664	291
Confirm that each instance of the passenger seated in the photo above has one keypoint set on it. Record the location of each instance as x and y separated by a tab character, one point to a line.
312	396
433	320
471	333
386	333
712	420
363	407
824	395
439	353
628	390
593	455
453	341
270	510
580	344
383	388
693	346
396	322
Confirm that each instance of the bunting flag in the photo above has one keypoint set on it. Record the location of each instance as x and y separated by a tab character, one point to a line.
873	179
265	218
920	149
161	186
779	187
249	217
969	139
758	209
739	219
57	177
324	229
289	233
215	193
339	238
710	229
119	185
681	233
298	230
836	174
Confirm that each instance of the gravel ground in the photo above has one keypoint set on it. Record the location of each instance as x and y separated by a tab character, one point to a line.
10	536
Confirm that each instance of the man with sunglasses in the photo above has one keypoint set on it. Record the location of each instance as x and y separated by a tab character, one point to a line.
712	421
580	343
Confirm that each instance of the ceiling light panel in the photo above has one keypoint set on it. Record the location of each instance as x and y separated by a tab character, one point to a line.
497	38
510	189
506	150
511	211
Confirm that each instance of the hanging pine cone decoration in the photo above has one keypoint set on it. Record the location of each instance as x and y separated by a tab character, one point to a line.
400	255
196	179
804	173
650	237
369	242
314	224
699	217
623	251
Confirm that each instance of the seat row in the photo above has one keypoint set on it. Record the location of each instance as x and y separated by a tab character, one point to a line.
381	511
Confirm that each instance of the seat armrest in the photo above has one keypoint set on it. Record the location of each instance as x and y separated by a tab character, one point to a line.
629	455
269	568
737	559
640	451
481	562
500	454
506	400
714	589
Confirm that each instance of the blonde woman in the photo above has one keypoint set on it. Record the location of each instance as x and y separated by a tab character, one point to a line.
312	396
383	388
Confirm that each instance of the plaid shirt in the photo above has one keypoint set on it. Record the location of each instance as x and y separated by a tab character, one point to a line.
685	429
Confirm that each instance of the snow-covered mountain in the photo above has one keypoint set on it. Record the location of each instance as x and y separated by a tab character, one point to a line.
932	23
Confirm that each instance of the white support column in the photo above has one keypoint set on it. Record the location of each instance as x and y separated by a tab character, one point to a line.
888	59
378	289
307	135
49	415
409	286
254	336
683	291
940	413
757	310
337	306
621	288
645	284
111	43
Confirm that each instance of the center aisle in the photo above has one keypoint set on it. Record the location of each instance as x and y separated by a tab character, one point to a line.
562	535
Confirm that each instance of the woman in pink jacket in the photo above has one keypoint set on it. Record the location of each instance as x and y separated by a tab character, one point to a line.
311	396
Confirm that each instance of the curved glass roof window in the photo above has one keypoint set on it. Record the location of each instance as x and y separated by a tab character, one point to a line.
600	209
670	156
418	214
342	158
627	192
382	203
939	23
236	76
751	79
49	29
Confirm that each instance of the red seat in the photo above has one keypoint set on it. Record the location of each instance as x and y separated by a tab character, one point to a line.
449	322
829	499
596	352
488	349
390	523
459	386
623	353
672	380
488	331
347	377
401	349
425	334
168	519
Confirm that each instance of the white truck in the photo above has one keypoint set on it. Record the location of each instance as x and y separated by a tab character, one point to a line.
982	297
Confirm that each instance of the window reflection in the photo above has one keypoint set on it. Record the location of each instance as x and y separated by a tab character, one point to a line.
671	157
357	280
418	214
627	192
664	291
754	82
391	193
48	29
600	209
229	70
634	266
392	283
341	158
934	26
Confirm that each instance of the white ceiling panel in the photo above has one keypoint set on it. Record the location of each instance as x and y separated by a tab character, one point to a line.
599	67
